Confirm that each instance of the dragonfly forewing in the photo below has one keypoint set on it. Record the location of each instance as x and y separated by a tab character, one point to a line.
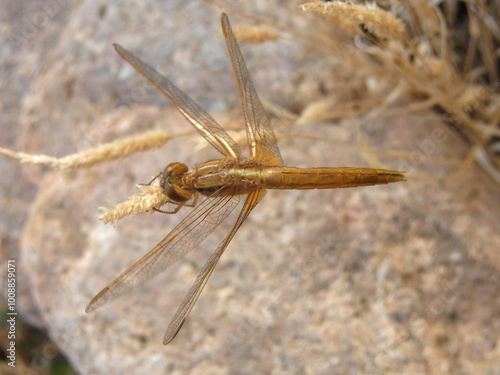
260	134
196	115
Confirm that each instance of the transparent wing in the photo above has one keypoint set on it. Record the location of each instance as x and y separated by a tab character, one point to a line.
183	238
260	134
197	116
187	304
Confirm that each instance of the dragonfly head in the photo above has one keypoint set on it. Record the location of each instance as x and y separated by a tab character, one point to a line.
171	180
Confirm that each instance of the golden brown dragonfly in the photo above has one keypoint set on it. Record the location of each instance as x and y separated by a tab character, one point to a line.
222	182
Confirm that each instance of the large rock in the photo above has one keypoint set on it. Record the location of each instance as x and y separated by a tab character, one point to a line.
390	279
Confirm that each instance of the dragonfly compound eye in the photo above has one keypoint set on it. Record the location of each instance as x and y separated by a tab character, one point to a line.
170	181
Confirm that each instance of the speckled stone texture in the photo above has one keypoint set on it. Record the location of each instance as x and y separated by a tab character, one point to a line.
396	279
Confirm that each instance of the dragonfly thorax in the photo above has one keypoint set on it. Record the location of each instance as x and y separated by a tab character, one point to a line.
171	181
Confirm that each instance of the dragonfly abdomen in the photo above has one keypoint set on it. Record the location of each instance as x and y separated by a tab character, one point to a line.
325	178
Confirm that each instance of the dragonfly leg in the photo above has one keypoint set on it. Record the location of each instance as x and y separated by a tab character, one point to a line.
195	201
154	178
176	209
179	206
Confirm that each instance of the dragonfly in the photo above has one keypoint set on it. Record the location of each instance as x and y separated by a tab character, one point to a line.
222	182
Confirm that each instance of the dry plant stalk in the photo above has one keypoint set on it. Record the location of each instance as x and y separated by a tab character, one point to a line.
150	197
106	152
358	19
254	34
428	54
